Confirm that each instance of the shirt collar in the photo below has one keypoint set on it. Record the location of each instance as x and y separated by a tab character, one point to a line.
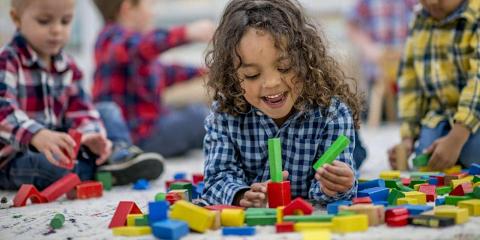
467	10
29	57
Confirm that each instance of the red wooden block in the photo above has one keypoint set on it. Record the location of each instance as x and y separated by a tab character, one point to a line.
395	212
406	181
169	182
429	190
440	180
197	177
462	189
284	227
361	200
61	186
28	191
77	137
398	221
221	207
278	193
172	197
124	208
87	189
448	178
298	204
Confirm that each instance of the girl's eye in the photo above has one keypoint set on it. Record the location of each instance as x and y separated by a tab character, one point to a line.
252	77
43	21
284	70
66	21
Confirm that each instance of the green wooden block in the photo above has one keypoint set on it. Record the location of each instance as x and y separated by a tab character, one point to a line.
260	212
57	221
393	196
443	190
346	213
415	182
476	192
275	159
183	185
261	220
420	175
453	200
476	179
142	221
405	188
389	183
421	160
105	178
160	196
308	218
332	152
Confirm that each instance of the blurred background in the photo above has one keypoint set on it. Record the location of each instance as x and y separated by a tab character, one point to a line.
87	23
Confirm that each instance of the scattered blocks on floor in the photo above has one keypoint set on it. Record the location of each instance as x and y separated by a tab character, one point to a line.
371	184
375	213
57	221
105	178
160	196
85	190
460	214
238	231
420	196
396	217
141	184
375	193
308	218
390	175
284	227
197	177
310	226
431	221
170	229
361	200
332	208
187	186
298	205
197	218
131	218
472	205
158	211
317	235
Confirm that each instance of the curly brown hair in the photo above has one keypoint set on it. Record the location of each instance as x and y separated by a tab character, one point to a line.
293	33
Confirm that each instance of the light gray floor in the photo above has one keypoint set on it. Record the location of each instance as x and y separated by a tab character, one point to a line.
88	219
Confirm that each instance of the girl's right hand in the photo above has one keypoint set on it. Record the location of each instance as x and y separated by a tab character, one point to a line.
57	147
257	195
392	157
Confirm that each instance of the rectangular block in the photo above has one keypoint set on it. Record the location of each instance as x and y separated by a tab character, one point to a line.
238	231
472	205
332	152
170	229
275	159
198	218
311	226
354	223
279	194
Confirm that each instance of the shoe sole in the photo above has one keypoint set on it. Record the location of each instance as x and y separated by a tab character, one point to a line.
147	165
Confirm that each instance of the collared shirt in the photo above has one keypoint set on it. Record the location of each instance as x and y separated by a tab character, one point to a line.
236	150
128	73
385	21
439	77
32	97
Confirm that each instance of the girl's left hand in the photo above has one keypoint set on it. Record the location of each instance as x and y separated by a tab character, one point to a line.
98	144
335	178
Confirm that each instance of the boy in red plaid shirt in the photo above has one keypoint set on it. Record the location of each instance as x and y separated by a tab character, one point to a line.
128	73
42	96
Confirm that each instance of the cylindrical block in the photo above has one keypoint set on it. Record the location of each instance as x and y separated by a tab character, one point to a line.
57	221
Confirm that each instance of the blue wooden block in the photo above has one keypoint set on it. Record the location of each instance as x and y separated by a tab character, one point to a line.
200	187
433	181
384	203
170	229
440	201
376	193
238	231
474	169
141	184
371	184
180	176
157	211
332	208
414	210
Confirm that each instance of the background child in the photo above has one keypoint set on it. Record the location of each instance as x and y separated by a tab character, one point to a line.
270	76
42	97
439	84
129	74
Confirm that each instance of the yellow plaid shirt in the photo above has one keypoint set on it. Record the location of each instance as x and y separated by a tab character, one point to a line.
439	75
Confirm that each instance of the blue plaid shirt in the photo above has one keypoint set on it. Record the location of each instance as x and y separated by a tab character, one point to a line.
236	150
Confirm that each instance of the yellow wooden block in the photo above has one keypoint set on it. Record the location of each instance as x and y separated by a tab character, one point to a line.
420	196
233	217
460	214
473	206
132	231
312	226
131	219
352	223
476	185
424	169
456	182
454	169
390	175
317	235
280	214
409	200
183	193
198	218
375	213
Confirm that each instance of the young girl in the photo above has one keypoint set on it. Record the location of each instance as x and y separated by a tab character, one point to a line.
271	77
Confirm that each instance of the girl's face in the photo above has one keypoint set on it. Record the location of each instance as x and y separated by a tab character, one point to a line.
268	78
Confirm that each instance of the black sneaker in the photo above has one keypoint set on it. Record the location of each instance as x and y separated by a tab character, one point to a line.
135	164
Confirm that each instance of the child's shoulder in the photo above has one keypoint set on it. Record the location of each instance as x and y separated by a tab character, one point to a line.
337	109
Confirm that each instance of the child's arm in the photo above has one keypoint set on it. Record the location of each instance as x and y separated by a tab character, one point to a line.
224	176
173	74
337	181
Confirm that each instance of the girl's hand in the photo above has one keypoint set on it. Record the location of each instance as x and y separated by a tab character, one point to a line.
335	178
445	151
98	144
257	195
57	147
392	157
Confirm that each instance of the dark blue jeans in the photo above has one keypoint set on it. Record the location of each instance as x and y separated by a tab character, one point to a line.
33	168
177	132
471	150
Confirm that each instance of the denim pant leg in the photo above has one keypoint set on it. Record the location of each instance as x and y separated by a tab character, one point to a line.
178	132
34	168
471	150
117	129
359	153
